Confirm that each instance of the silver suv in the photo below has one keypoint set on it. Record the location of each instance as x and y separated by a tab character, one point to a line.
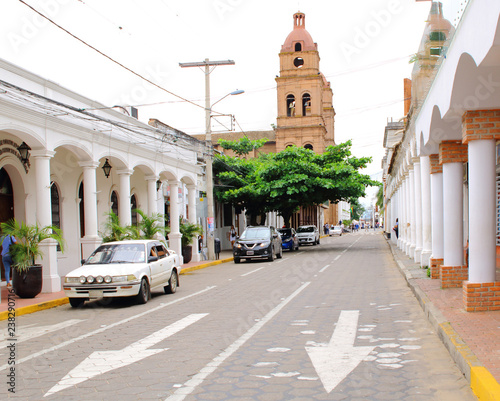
308	235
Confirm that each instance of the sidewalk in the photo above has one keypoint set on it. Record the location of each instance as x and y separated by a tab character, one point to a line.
24	306
473	339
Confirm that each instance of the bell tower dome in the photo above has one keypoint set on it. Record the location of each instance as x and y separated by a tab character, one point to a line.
305	111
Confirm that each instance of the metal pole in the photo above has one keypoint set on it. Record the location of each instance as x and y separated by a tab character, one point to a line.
210	181
208	138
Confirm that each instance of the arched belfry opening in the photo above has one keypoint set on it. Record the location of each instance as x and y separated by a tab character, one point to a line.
300	19
290	106
306	104
298	47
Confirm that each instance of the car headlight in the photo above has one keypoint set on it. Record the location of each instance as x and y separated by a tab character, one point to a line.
99	279
264	244
119	279
82	279
71	280
90	279
238	246
108	279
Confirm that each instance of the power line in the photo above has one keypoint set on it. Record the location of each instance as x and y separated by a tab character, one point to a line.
110	58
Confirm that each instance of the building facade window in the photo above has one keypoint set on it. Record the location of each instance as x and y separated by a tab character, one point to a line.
56	208
82	210
298	47
133	207
308	146
114	202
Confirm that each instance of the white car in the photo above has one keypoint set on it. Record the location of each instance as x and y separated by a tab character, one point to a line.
335	230
124	269
308	235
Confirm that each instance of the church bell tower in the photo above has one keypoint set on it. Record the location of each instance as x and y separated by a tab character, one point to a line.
305	110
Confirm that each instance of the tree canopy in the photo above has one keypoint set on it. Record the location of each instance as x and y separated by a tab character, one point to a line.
294	177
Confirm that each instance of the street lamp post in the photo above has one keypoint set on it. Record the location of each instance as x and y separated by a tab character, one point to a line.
208	139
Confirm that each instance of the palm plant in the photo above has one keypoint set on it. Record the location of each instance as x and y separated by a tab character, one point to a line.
28	237
149	225
115	231
188	231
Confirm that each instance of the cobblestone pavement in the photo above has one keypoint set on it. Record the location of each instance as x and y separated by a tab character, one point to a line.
282	330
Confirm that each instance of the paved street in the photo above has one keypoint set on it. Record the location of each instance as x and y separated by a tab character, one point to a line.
330	322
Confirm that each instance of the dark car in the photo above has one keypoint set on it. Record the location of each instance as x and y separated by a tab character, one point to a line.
289	239
258	242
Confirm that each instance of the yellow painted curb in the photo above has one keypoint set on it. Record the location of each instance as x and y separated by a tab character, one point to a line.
483	384
202	266
35	308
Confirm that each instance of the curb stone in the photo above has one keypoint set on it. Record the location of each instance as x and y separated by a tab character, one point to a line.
483	384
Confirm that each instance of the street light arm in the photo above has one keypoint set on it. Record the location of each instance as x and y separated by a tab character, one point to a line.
236	92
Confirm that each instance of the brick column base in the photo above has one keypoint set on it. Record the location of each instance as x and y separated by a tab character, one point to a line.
453	276
434	266
479	297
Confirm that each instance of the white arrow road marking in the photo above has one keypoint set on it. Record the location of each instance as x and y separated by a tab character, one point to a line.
102	329
100	362
335	360
25	333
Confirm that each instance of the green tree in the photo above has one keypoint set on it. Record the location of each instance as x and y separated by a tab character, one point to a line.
243	146
291	178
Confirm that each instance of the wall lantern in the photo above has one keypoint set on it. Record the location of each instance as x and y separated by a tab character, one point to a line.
106	168
158	185
24	152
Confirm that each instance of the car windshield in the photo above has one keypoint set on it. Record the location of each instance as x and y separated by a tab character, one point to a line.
117	253
285	232
336	228
309	229
256	233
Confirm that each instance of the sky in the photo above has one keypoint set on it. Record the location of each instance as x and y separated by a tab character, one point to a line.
364	45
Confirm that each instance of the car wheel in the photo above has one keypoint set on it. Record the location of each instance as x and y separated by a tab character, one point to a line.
271	255
237	260
76	302
143	296
171	288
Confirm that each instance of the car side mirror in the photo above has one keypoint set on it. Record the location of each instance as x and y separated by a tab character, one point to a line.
83	261
152	259
275	235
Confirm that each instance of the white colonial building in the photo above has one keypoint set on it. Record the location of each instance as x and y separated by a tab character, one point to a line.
69	139
442	163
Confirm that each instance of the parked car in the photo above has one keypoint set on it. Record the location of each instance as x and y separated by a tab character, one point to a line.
336	230
124	269
308	235
258	242
289	239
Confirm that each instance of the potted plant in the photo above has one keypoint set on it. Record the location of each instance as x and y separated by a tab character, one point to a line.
188	231
26	274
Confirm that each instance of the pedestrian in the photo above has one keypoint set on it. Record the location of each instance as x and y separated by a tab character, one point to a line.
7	241
326	228
232	236
396	228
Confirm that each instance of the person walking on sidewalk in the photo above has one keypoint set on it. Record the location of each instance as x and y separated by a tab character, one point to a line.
7	241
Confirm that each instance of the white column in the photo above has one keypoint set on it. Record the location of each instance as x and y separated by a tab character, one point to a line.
192	192
453	213
437	216
425	178
152	194
91	240
411	248
50	274
418	212
402	220
124	211
175	235
482	211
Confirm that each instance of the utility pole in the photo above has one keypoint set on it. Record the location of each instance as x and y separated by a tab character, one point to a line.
208	139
